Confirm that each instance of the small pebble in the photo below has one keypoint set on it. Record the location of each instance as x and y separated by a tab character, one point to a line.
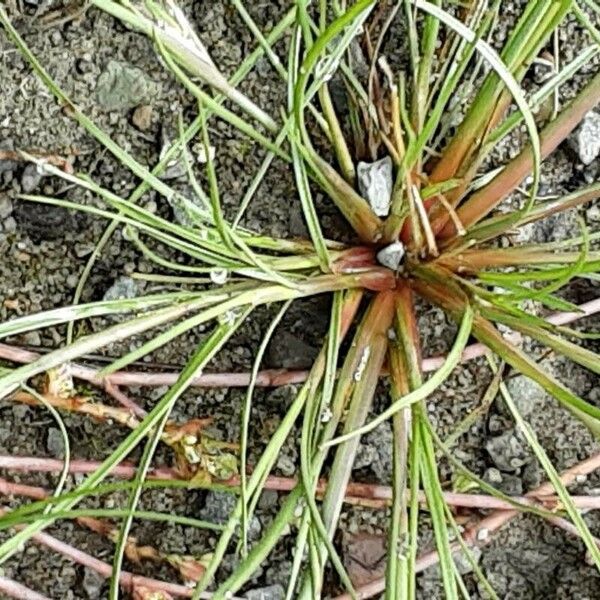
6	206
142	117
30	178
10	225
482	534
122	86
121	289
55	443
586	139
32	338
375	182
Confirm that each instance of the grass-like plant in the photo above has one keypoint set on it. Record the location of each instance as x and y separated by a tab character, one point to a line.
435	238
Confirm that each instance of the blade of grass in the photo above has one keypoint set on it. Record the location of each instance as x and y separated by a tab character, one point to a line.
188	51
362	388
62	480
262	468
495	226
203	354
442	294
553	476
453	358
245	422
481	202
191	131
503	73
92	342
399	570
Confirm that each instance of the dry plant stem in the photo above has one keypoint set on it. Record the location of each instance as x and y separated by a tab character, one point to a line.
112	390
134	552
52	159
475	261
491	523
373	495
124	469
485	199
14	589
127	580
567	526
81	405
267	378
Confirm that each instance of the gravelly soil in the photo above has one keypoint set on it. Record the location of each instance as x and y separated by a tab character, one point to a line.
44	250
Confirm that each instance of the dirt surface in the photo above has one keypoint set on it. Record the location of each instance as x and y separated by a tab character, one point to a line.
44	250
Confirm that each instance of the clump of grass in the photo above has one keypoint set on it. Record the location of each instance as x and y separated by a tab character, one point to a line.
442	219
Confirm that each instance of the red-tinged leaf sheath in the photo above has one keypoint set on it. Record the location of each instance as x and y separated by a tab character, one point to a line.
481	202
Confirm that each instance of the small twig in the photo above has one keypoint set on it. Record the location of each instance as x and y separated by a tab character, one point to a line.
124	470
127	580
567	526
71	12
112	390
53	159
473	536
267	378
377	496
16	590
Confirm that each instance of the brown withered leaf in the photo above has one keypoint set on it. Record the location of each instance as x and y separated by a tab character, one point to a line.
364	556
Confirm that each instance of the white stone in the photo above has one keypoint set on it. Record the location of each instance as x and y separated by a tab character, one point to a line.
391	256
586	139
375	184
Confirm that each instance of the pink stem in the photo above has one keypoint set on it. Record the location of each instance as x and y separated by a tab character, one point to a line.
16	590
489	524
127	580
567	526
268	378
51	465
123	399
355	491
9	488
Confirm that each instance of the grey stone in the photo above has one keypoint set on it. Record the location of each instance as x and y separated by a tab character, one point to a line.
32	338
122	86
92	583
526	393
462	562
391	256
176	167
268	499
375	183
286	465
586	138
122	288
286	351
375	452
5	433
6	206
508	451
30	178
593	214
83	249
55	443
10	225
217	507
508	484
270	592
281	397
533	475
